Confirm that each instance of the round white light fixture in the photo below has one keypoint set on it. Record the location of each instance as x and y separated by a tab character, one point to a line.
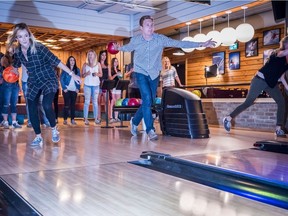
228	36
188	38
244	32
216	36
188	50
200	38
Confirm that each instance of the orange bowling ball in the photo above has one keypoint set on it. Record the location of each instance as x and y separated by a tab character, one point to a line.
111	49
9	75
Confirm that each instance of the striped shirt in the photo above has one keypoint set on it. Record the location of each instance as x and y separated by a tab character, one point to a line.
168	77
41	70
148	54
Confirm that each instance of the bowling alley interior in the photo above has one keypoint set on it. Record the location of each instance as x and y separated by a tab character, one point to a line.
196	167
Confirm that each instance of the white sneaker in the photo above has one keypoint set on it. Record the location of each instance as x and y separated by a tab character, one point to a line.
6	125
133	128
38	141
152	135
55	135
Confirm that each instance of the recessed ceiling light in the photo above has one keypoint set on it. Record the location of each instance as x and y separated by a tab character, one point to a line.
64	40
9	32
49	45
78	39
56	47
51	40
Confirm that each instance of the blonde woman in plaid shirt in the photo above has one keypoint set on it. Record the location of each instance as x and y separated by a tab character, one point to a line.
40	63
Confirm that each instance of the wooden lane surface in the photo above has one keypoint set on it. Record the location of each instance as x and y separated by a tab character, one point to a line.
87	173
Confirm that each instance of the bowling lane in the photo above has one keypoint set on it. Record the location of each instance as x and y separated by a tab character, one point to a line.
125	189
269	166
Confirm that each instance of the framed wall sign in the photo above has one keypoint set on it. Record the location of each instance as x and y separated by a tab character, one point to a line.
234	60
218	58
251	48
271	37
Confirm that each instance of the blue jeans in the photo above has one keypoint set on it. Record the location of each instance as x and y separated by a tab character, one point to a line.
91	91
148	90
10	97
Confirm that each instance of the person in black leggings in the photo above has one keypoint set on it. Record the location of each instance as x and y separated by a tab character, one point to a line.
266	79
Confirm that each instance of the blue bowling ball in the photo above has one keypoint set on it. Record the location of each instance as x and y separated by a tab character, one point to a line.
157	101
125	102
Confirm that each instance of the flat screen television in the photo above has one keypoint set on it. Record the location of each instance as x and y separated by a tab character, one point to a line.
279	8
211	71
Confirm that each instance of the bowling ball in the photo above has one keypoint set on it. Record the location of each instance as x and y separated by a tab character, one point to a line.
157	100
119	102
197	92
125	102
110	48
133	102
9	75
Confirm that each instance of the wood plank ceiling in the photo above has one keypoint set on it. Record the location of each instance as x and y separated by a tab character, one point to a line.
93	40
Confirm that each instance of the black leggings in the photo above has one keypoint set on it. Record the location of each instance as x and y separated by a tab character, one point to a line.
48	108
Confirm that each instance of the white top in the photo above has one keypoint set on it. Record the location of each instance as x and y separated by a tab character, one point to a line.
91	80
71	86
24	74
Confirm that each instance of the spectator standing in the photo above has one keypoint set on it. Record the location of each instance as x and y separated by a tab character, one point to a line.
70	89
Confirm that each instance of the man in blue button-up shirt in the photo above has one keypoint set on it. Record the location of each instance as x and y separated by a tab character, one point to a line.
148	49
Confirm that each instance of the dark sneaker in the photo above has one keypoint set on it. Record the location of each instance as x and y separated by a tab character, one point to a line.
73	122
227	124
55	135
29	125
16	125
38	141
133	128
152	135
65	122
280	133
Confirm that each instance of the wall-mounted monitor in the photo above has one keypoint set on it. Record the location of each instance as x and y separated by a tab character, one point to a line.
211	71
279	8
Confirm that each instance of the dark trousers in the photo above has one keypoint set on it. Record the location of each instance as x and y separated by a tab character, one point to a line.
69	104
48	108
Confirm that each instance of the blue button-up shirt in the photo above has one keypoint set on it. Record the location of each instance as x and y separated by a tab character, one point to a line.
148	54
41	70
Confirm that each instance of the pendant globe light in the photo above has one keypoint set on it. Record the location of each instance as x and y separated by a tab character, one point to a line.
214	34
245	31
228	34
188	38
200	37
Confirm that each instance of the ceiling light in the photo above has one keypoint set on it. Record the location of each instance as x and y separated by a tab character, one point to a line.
78	39
200	37
214	34
9	32
51	40
178	53
228	34
188	38
245	31
49	45
56	47
64	40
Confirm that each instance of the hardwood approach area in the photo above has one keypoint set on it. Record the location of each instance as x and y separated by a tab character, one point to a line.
87	172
